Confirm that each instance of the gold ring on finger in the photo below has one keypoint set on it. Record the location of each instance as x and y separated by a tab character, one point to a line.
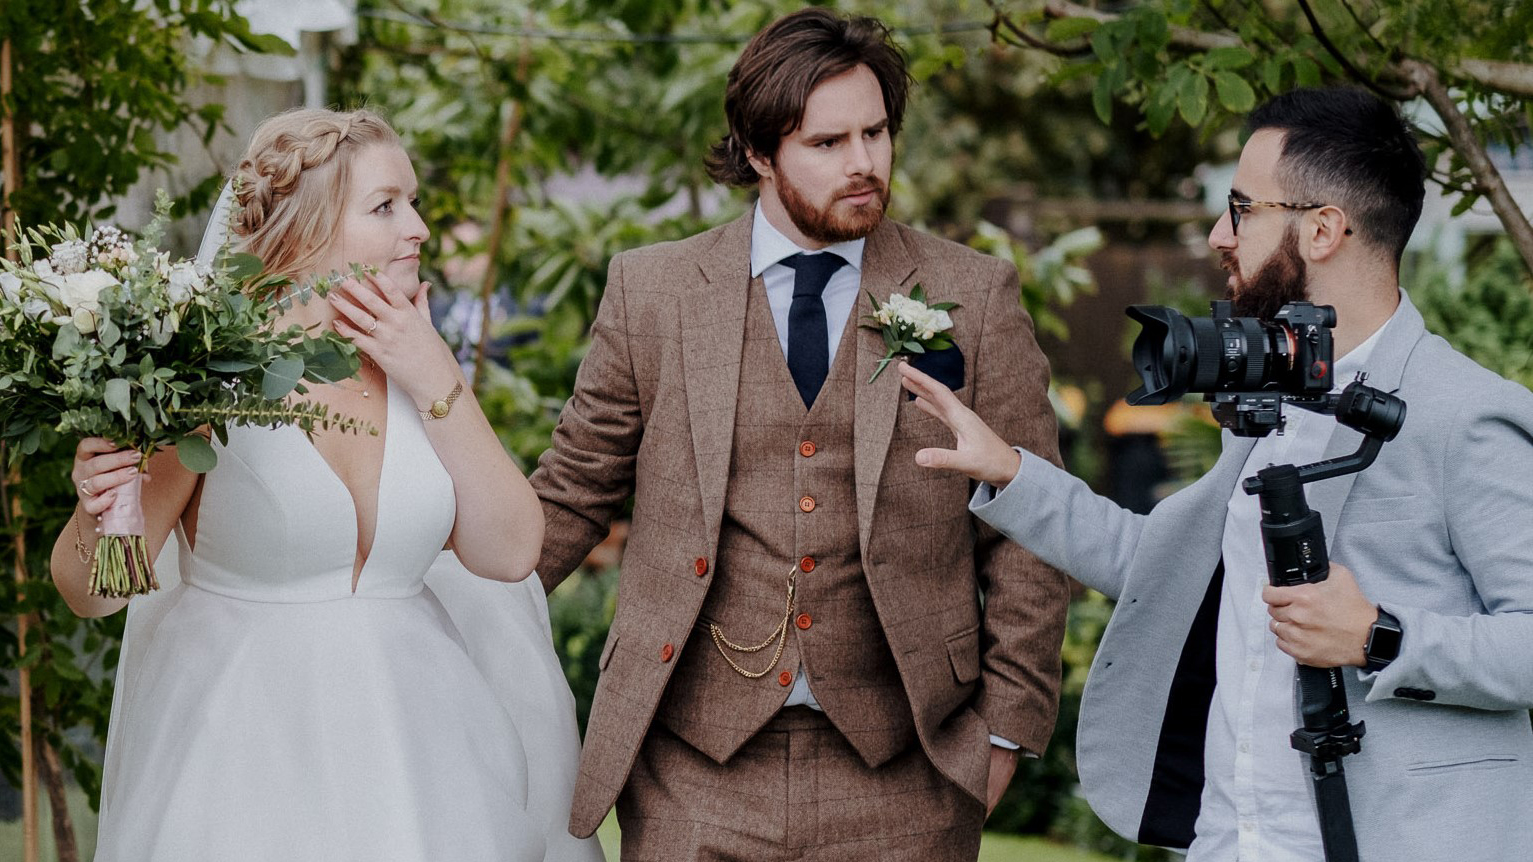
85	488
373	327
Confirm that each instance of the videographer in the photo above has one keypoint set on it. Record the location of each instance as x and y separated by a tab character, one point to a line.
1428	607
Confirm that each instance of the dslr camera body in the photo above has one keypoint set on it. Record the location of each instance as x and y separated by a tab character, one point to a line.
1246	367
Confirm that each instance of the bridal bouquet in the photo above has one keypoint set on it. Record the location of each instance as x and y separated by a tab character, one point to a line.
103	336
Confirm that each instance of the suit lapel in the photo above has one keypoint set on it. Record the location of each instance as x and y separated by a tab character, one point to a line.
886	266
1384	368
712	338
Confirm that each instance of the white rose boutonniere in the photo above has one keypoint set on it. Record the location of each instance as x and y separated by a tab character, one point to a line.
910	325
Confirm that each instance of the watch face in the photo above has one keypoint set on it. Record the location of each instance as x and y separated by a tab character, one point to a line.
1383	644
439	409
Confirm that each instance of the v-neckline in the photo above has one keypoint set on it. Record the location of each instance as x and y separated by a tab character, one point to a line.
357	570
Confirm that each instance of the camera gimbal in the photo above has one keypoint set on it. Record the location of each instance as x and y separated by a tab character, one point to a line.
1294	541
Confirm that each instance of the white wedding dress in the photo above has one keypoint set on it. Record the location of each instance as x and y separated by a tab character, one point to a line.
265	711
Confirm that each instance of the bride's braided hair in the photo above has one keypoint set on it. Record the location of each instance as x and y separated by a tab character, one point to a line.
292	184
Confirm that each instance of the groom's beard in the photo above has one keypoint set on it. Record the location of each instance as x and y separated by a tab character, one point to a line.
826	225
1281	279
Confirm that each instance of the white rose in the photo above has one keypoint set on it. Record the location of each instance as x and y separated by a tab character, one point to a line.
43	268
36	308
82	291
183	282
10	286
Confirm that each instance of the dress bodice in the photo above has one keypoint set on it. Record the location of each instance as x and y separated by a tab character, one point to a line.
276	523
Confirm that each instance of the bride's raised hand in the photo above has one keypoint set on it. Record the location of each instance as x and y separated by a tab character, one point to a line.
396	333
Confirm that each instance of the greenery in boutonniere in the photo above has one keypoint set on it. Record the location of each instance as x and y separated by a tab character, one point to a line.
909	325
101	336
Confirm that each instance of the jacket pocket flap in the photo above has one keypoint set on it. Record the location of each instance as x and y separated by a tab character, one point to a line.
963	653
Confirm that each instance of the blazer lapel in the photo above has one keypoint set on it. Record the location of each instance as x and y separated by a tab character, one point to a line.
712	338
886	266
1384	368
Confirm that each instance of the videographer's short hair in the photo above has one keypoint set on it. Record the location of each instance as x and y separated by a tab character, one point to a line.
1347	147
771	82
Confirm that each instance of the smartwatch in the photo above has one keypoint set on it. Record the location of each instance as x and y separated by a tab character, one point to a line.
1383	642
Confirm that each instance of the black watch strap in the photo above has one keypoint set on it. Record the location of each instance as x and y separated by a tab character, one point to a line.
1384	639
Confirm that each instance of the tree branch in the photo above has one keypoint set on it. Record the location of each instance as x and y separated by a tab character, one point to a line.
1473	151
1353	71
1513	79
1182	37
1033	41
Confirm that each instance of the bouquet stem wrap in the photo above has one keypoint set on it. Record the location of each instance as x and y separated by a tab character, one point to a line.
123	568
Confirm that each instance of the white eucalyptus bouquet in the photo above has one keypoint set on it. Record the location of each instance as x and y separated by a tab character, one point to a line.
105	336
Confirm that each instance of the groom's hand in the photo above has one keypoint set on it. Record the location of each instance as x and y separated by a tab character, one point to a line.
979	453
1003	764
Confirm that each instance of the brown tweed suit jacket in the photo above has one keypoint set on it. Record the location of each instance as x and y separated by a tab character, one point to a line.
653	416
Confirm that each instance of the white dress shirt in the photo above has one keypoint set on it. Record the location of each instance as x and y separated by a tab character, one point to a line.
1257	805
769	248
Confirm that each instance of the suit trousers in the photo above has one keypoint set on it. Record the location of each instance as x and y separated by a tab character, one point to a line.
796	791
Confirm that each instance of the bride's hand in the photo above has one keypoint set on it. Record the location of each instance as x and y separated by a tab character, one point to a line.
397	334
99	468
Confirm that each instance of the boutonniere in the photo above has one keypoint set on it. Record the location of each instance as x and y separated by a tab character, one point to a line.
909	325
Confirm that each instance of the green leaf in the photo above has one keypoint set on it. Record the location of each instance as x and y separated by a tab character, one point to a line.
117	397
1066	29
1192	101
914	347
1307	73
146	412
1234	93
196	453
243	266
108	333
1101	98
1230	57
280	378
230	365
1272	74
918	293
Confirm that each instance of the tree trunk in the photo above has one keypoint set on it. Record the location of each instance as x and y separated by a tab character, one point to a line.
52	775
1473	151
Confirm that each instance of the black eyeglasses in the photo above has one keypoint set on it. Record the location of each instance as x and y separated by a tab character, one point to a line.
1239	207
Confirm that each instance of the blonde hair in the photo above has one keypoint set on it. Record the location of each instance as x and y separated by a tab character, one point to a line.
291	184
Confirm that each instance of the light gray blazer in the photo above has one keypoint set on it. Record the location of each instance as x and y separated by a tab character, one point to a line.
1439	532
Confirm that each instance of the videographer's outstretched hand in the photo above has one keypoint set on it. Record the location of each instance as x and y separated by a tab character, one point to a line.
979	453
1322	624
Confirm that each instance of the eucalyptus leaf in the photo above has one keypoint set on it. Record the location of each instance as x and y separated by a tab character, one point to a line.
280	378
117	396
196	453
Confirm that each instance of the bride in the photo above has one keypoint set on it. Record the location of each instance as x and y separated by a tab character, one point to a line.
303	693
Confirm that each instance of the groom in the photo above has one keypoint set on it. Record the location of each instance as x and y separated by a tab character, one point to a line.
801	665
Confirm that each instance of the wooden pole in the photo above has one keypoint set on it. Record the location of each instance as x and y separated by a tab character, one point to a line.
498	217
10	163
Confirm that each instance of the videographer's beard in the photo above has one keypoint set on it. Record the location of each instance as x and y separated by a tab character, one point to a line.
1282	279
825	225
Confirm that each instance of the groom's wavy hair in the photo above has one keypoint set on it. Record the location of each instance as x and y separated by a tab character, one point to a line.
291	184
771	82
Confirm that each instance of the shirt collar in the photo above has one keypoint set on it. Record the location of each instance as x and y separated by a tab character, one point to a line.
769	246
1357	358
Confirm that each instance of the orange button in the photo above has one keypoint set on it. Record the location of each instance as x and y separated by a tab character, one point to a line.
700	567
804	621
806	504
666	652
806	564
807	449
785	678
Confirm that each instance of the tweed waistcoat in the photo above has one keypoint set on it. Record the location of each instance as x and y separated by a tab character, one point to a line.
790	507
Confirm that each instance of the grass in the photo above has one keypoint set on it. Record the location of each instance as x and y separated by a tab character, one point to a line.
994	847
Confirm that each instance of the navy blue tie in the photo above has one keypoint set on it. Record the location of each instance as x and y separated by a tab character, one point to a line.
808	341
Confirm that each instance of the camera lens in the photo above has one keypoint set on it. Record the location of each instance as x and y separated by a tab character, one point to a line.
1175	354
